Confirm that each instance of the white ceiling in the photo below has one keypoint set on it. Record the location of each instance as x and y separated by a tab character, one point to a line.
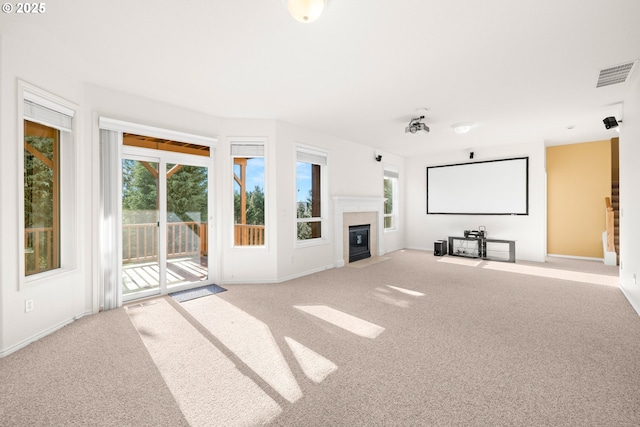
521	71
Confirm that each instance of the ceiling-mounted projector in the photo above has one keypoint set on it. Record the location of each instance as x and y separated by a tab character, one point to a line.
416	128
415	125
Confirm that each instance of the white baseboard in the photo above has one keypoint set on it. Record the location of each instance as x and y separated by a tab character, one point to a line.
576	257
7	351
280	279
635	306
419	248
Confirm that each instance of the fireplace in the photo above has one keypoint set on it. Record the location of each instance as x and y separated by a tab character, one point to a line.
359	242
350	211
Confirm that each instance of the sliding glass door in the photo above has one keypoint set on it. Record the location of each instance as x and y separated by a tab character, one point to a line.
165	222
140	226
186	224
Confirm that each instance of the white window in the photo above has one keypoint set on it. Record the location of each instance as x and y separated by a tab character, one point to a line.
47	170
391	199
310	190
248	193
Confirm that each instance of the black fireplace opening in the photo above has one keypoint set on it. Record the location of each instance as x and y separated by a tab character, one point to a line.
359	242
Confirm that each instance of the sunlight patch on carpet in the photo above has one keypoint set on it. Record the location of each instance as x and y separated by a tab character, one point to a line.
314	366
384	297
406	291
342	320
248	338
461	261
576	276
205	383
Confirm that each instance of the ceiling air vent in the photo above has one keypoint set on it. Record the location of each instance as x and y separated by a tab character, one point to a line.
616	74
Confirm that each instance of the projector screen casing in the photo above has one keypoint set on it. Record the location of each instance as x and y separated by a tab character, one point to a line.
493	187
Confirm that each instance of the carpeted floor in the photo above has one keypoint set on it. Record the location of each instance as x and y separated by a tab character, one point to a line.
405	342
93	372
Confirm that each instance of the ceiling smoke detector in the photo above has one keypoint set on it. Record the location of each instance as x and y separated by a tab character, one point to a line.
416	125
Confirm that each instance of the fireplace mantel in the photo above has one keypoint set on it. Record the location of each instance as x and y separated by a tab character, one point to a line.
348	204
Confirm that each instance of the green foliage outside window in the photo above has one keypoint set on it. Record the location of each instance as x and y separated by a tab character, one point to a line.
38	184
186	189
388	204
255	206
41	198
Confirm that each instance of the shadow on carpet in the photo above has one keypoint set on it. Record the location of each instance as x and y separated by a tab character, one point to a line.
190	294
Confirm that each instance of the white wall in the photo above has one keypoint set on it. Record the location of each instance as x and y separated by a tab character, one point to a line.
352	171
61	298
528	231
630	197
58	300
246	264
2	109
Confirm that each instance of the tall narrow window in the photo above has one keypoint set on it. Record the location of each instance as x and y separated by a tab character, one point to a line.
309	203
390	195
248	194
47	182
41	197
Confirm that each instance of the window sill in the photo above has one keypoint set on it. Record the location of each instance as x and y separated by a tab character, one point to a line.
312	242
46	277
249	247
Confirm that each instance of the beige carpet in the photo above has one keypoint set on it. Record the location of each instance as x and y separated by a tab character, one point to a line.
469	262
406	342
93	372
367	262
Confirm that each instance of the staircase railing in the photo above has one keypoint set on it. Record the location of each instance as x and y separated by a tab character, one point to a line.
610	225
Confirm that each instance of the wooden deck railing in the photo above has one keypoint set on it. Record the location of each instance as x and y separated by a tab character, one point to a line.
139	241
39	250
248	235
610	224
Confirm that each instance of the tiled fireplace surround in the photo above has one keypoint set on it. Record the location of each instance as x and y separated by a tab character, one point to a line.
357	211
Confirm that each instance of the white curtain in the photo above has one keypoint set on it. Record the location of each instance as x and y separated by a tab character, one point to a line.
110	295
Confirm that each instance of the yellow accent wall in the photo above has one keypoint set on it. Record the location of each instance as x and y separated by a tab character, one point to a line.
578	180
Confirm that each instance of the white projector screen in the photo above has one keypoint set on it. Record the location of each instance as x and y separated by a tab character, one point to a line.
496	187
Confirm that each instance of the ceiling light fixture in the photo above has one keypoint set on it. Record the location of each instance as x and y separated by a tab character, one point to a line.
462	127
306	11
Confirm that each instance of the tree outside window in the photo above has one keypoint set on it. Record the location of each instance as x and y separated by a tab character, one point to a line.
308	207
41	198
309	170
248	194
390	185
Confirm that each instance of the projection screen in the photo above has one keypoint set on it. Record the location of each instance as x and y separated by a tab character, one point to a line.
495	187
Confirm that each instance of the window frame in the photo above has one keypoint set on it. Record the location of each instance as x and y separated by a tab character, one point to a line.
69	227
391	174
324	199
249	141
52	164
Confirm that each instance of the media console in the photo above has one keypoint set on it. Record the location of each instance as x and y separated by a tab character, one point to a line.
482	247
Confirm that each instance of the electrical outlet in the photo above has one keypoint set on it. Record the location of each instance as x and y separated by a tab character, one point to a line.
635	282
28	305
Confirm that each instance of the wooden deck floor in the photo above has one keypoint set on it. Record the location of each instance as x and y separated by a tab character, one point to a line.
142	276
